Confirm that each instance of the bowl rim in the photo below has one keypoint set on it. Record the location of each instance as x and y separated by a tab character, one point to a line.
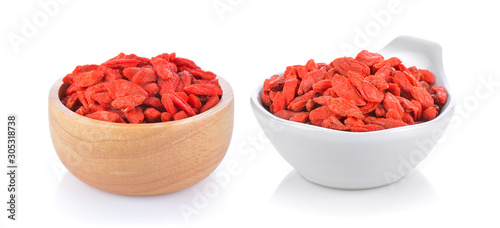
226	99
448	107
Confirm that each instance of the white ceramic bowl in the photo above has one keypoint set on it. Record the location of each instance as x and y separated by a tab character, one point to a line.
359	160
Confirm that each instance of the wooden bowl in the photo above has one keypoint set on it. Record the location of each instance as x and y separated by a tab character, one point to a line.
141	159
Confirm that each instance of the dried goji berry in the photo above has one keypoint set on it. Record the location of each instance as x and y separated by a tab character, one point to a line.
211	102
290	72
73	88
429	113
391	102
402	81
194	102
369	58
152	115
384	72
162	68
367	90
85	68
426	75
380	111
129	72
343	107
151	88
369	107
167	56
310	79
322	100
128	101
285	114
202	74
274	83
393	114
103	98
425	85
367	128
82	111
181	103
203	89
110	74
378	82
154	102
322	85
265	98
330	73
68	79
439	94
145	75
290	89
71	101
391	62
180	115
414	72
319	114
104	115
299	103
184	80
334	123
311	65
165	117
330	92
87	79
386	123
183	95
346	64
343	88
300	117
134	115
121	63
309	105
184	62
421	95
279	102
301	71
351	122
120	88
407	118
142	60
167	102
400	67
394	89
409	107
418	109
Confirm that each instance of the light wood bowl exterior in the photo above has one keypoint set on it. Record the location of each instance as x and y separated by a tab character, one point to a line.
141	159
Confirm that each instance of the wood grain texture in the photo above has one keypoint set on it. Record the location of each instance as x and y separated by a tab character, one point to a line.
141	159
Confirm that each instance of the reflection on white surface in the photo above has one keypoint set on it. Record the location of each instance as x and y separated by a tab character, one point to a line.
77	200
296	193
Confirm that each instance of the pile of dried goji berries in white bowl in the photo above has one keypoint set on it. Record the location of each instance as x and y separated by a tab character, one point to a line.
349	123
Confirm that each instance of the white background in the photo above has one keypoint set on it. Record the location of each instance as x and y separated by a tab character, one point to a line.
246	42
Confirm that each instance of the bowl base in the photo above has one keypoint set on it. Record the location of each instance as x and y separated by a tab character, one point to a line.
349	186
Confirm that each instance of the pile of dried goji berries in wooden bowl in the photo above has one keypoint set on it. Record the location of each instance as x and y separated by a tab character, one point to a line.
357	122
141	126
